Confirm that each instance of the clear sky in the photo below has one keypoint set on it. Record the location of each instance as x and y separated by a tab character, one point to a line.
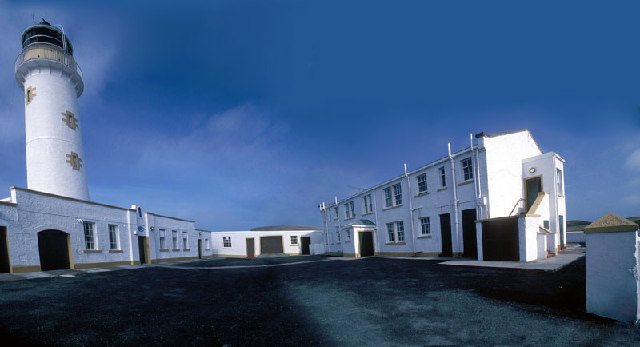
238	114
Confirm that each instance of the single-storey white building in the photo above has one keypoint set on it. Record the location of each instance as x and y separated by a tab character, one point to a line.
501	198
278	239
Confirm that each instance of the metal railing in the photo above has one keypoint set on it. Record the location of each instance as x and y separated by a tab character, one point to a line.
49	52
517	205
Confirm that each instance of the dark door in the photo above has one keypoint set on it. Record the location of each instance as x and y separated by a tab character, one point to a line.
5	261
271	244
445	232
53	247
500	239
563	242
251	248
199	249
469	237
533	186
143	249
304	244
365	239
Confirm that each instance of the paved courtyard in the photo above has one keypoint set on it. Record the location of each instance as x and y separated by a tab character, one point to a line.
304	301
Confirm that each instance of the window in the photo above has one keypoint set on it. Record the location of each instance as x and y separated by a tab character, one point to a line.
387	197
368	204
349	209
338	233
347	234
185	243
422	183
89	235
174	239
443	178
395	230
559	182
467	169
294	240
426	225
397	193
335	209
163	239
391	232
207	245
113	237
400	230
226	241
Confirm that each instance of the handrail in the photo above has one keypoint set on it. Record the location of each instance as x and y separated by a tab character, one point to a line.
516	205
47	51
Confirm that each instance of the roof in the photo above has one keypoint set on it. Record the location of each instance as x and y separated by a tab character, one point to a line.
610	223
361	222
285	228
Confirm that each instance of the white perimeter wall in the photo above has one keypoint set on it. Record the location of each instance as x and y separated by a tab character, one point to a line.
239	247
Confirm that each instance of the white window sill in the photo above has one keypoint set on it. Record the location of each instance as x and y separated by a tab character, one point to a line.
392	207
442	189
421	194
466	182
396	243
424	236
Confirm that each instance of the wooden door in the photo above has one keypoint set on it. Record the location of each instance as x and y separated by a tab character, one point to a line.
445	233
143	249
365	239
54	250
251	249
533	186
5	261
469	237
199	249
304	245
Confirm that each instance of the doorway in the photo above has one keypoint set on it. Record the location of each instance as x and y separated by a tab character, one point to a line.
54	248
469	237
271	245
365	239
199	249
445	232
305	242
5	260
251	248
533	186
143	249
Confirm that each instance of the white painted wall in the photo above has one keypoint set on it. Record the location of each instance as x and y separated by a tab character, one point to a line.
612	275
48	138
238	242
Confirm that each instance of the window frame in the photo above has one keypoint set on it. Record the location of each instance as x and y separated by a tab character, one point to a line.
163	238
397	194
349	207
400	231
422	183
443	176
467	168
388	199
293	240
115	231
391	233
559	181
368	204
207	245
91	239
185	241
425	225
226	241
174	239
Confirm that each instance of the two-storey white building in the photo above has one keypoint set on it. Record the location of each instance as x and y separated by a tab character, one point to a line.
499	199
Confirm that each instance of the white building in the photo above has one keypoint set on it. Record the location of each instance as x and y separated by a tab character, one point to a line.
499	199
279	239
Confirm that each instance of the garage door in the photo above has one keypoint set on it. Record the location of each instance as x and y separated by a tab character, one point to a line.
271	244
500	239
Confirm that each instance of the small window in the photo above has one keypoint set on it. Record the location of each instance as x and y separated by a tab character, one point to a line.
185	241
139	212
335	209
397	193
400	231
443	178
163	239
174	239
426	225
467	169
390	232
226	241
89	235
422	183
349	210
113	237
347	234
338	233
387	197
368	204
207	246
294	240
559	181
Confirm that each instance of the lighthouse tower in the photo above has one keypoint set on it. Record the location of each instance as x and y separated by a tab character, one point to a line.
52	82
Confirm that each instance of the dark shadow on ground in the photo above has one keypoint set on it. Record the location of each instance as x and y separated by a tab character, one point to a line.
215	262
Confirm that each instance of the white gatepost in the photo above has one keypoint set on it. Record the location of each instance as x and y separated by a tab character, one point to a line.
612	268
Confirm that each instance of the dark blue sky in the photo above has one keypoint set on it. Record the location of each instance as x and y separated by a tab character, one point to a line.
245	113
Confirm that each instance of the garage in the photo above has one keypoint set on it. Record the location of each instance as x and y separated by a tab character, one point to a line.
271	245
500	239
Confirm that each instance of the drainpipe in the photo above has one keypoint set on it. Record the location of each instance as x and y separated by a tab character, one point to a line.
475	176
455	197
335	199
413	240
476	153
377	229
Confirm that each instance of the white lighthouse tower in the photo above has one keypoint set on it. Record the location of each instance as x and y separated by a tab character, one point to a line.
52	83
